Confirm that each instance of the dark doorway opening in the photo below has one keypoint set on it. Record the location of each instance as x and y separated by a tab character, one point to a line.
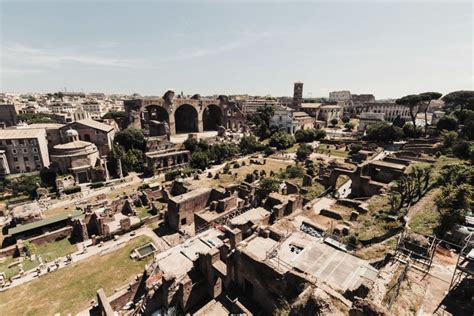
186	119
212	118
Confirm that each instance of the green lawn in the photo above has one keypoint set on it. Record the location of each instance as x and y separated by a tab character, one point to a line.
71	289
331	150
374	222
426	216
48	253
143	211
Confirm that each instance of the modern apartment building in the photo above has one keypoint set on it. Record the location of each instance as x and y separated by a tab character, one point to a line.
26	150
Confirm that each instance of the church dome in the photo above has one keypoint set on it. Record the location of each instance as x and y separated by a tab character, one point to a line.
72	133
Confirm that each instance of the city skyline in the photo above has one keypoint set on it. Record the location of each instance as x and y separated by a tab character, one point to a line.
388	49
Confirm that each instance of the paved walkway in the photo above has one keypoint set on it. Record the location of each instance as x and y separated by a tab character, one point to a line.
106	247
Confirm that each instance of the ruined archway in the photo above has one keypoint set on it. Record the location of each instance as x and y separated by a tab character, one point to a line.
158	113
212	117
186	119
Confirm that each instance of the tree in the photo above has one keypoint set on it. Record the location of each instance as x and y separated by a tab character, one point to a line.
409	131
250	144
462	149
383	132
334	122
48	177
131	138
115	115
398	121
349	126
200	160
448	138
309	135
345	119
462	99
426	99
412	102
261	119
190	144
303	152
115	154
282	140
453	203
448	123
268	185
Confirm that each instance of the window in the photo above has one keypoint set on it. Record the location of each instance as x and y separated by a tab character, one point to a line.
21	141
14	151
26	159
15	159
35	150
28	169
33	141
9	142
25	150
183	221
37	158
17	167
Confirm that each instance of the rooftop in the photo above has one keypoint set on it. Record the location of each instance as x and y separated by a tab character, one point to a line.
253	215
95	124
22	133
54	219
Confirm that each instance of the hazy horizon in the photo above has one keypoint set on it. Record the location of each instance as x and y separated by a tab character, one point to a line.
388	49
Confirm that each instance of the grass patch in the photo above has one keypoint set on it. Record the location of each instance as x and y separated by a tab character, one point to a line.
330	150
425	216
314	191
70	289
144	211
48	253
375	222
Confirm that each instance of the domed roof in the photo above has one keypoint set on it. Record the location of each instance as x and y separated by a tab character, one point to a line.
71	133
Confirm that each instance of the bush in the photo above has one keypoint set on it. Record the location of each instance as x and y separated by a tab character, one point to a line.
448	123
171	175
200	160
190	144
309	135
383	132
303	152
73	189
334	121
282	140
409	132
96	185
292	172
250	144
269	151
461	149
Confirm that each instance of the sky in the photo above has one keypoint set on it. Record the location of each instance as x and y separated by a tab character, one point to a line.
387	48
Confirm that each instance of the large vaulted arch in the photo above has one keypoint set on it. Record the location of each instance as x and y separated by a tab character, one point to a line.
186	119
158	113
212	117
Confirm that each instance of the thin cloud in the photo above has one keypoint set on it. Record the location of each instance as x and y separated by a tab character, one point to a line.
23	55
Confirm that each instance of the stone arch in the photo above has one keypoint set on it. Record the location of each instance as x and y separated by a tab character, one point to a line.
212	117
186	119
158	113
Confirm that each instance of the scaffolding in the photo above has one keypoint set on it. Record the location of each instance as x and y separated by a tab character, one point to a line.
420	256
465	263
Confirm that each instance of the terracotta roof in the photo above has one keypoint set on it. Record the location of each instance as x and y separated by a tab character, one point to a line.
97	125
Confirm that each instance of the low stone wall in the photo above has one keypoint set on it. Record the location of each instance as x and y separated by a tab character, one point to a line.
50	237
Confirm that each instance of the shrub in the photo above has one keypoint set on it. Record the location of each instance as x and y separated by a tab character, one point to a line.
269	151
171	175
303	152
73	189
200	160
96	185
282	140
